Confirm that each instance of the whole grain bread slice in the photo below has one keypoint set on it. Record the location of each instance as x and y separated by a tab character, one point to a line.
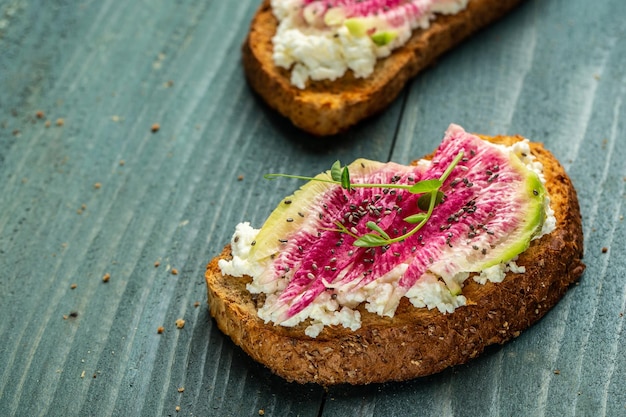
416	341
329	107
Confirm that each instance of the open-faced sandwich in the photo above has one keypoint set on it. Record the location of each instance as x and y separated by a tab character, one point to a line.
327	64
377	271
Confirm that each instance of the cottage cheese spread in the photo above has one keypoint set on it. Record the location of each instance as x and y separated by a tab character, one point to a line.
325	48
379	296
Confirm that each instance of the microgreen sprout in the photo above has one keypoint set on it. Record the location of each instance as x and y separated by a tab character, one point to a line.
431	196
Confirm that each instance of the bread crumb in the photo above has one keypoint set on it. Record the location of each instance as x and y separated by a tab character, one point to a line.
106	277
73	286
177	408
16	132
261	412
557	372
39	114
60	122
605	249
155	127
240	178
160	329
180	323
122	162
196	304
174	271
82	374
181	389
97	186
47	124
168	84
64	317
156	264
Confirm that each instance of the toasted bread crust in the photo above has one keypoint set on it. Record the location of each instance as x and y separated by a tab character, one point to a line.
416	341
329	107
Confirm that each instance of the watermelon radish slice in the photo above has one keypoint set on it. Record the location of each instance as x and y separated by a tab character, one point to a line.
380	19
492	206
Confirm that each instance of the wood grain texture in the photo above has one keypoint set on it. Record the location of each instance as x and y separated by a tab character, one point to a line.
552	70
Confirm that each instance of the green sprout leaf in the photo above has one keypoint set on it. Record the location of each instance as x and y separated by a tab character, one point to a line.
425	186
345	178
416	218
424	201
335	171
373	226
370	240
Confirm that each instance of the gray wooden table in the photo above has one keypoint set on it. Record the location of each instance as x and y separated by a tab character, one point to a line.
89	190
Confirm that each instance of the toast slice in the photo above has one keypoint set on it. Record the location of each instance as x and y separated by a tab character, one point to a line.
416	341
329	107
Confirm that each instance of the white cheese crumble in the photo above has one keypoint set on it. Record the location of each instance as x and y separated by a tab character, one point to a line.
497	273
326	53
240	244
382	296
